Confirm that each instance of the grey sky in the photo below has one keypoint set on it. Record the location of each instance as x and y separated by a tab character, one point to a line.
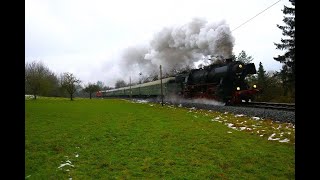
88	38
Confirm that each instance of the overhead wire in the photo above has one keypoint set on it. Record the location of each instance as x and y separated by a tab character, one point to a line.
255	16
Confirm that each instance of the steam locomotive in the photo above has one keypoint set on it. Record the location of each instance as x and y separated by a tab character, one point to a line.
224	82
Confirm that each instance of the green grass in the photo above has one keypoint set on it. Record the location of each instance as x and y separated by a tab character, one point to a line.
118	139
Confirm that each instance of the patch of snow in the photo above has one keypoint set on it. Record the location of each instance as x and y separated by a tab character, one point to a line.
142	101
216	120
229	132
255	118
77	155
68	163
271	137
242	128
229	124
65	164
225	112
284	140
239	115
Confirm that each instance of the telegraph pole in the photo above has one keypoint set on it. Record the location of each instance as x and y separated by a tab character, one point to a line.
130	88
140	84
161	86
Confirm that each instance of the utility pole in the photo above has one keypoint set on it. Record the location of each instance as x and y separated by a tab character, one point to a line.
161	86
140	84
130	88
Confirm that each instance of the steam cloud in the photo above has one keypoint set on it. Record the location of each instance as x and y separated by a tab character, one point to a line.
178	47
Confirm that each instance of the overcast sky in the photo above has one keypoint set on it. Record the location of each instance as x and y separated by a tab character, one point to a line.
88	38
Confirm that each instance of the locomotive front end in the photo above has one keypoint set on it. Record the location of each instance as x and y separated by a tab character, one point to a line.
241	90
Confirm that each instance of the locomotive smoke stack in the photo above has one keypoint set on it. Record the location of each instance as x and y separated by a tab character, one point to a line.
180	46
229	60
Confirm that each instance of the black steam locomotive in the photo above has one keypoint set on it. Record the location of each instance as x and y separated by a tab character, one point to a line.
224	82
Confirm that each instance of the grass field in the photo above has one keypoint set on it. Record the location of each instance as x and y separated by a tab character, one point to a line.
119	139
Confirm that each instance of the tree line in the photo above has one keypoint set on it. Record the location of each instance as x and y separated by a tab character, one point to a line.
41	81
280	86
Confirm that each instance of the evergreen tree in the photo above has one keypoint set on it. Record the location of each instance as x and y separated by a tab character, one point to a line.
262	78
287	72
243	57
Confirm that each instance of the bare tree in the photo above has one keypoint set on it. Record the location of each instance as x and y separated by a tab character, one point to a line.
100	84
120	83
39	79
69	82
91	88
106	88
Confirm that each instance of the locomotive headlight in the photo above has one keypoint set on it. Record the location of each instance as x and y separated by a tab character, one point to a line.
238	88
240	65
254	86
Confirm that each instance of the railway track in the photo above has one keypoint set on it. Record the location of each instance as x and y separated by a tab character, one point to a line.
269	105
265	111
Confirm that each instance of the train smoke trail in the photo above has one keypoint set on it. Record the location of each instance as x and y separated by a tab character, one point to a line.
179	47
179	100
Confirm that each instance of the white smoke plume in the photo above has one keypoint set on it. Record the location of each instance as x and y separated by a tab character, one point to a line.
178	47
179	100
